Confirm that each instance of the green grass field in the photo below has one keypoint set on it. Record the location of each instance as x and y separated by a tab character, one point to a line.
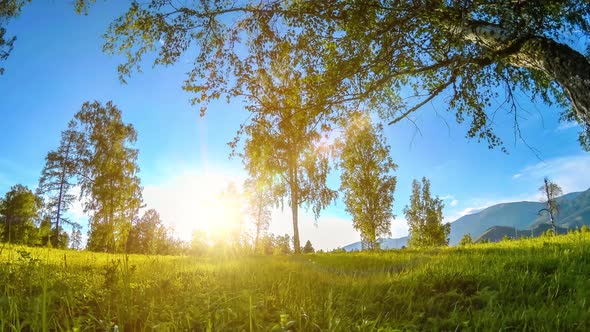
538	284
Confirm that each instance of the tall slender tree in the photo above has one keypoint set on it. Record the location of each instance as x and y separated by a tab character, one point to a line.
258	207
550	191
58	178
108	177
424	216
367	180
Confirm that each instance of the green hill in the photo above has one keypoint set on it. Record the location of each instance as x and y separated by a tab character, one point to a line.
497	233
508	218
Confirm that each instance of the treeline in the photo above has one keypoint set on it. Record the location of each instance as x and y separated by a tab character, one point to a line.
96	164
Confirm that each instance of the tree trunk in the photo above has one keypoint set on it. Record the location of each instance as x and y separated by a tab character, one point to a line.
62	179
294	213
294	187
566	66
569	68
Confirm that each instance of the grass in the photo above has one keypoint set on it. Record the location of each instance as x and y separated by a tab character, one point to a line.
538	284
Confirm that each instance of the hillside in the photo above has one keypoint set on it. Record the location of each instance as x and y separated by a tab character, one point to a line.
517	214
497	233
523	217
508	219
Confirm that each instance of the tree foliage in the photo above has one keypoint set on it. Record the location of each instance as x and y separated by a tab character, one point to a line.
258	198
308	248
550	191
19	213
149	235
367	180
424	216
108	175
466	240
8	9
471	55
283	139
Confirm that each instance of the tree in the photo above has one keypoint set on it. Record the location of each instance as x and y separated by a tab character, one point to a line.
367	180
258	197
308	248
424	217
466	240
108	175
468	54
282	244
148	235
283	143
8	9
550	191
58	178
19	210
76	238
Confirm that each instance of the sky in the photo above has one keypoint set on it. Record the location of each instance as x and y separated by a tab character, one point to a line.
58	64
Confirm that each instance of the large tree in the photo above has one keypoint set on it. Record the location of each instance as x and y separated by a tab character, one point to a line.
58	178
19	212
425	219
472	54
108	175
283	139
367	180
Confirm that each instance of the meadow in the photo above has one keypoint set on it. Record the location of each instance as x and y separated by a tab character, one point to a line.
540	284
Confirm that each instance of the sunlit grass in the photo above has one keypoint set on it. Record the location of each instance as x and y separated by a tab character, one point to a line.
534	284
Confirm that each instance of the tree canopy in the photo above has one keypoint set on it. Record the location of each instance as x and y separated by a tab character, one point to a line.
19	213
471	55
425	219
8	9
108	174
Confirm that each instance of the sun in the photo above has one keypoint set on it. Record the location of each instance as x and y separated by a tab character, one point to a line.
198	201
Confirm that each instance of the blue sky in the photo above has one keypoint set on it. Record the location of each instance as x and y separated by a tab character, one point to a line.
58	63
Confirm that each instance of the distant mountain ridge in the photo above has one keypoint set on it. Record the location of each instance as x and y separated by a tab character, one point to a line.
509	218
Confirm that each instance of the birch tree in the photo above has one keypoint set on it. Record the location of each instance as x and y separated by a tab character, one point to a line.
367	180
469	55
550	191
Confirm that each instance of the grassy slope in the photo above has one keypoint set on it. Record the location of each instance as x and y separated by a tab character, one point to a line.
535	284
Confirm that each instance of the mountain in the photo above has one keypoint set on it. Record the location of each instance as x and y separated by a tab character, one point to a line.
386	243
523	216
509	219
497	233
517	215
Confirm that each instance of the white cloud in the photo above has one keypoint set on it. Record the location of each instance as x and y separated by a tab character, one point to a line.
567	125
454	202
517	175
569	172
